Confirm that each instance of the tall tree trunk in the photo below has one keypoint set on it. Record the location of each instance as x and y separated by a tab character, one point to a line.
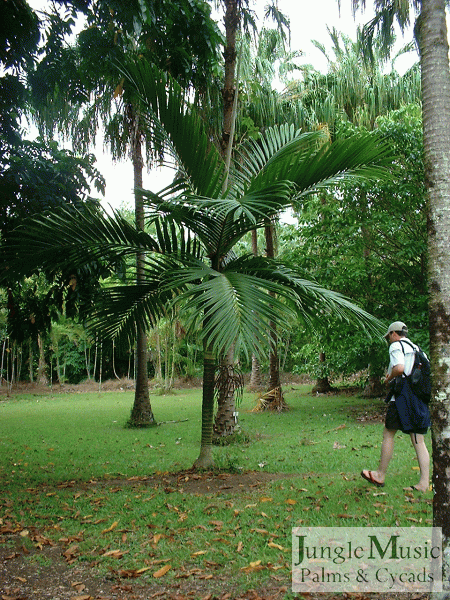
231	21
30	360
226	399
274	363
141	413
205	459
255	377
431	32
42	378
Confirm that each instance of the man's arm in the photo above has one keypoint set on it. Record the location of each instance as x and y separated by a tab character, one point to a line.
396	371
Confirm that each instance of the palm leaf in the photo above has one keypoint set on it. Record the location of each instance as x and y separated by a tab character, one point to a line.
165	105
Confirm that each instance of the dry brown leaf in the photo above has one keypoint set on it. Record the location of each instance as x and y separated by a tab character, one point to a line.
277	546
199	553
113	526
114	553
162	571
291	501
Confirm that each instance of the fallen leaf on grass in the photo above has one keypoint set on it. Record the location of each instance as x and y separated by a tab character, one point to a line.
162	571
291	501
157	537
277	546
253	566
199	553
114	553
113	526
239	547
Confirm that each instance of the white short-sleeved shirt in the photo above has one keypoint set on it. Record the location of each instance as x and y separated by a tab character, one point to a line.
405	357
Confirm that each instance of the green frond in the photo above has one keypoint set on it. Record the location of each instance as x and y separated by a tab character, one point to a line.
117	310
181	127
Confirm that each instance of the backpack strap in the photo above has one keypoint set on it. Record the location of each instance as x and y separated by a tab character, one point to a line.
409	344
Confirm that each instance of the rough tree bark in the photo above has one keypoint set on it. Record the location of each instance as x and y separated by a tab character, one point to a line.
141	413
431	33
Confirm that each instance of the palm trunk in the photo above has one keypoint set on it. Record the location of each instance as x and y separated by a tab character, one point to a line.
205	459
255	377
226	399
431	32
231	22
141	413
274	364
225	422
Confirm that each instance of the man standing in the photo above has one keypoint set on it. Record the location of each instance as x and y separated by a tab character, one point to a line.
405	411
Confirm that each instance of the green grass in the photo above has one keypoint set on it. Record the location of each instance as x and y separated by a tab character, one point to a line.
72	473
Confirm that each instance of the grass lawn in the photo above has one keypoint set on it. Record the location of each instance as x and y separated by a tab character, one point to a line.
72	475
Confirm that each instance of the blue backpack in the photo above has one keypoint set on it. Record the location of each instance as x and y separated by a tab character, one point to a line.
420	378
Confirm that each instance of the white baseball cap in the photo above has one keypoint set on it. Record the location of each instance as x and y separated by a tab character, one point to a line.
396	326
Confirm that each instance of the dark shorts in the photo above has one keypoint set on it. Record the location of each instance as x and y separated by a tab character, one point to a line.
392	420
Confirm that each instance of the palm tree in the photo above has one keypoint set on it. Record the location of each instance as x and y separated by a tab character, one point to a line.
190	261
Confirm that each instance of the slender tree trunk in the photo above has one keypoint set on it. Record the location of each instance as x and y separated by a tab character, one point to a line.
114	361
158	366
274	363
3	362
205	459
231	21
141	413
95	357
255	377
42	378
30	360
87	361
431	32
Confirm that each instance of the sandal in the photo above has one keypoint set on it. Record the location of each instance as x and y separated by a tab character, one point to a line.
370	479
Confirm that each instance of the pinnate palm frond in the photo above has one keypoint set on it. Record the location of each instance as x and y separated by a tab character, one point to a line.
311	301
70	238
233	306
281	141
357	157
220	222
164	103
117	310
